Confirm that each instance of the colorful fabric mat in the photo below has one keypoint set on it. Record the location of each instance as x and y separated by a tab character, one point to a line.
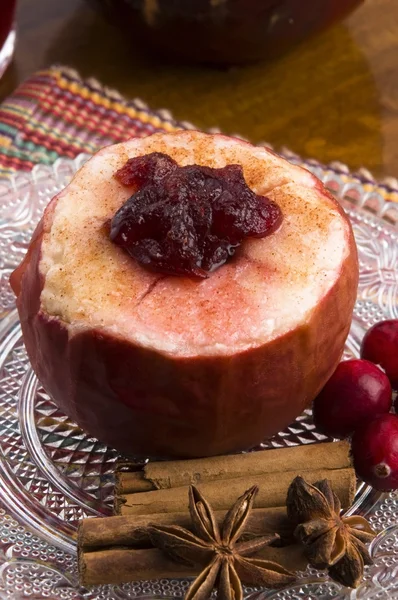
55	113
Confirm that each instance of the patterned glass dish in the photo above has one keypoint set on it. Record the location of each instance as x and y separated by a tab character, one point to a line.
52	474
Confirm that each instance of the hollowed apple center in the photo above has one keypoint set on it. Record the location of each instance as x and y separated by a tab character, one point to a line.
187	220
272	286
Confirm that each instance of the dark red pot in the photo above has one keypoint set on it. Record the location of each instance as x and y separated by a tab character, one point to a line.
225	31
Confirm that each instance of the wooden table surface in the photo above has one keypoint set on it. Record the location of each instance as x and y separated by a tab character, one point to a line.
333	98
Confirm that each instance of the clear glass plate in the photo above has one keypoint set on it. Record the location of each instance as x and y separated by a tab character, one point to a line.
52	474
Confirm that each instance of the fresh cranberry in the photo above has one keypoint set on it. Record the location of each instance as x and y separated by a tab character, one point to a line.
357	391
187	220
374	449
380	345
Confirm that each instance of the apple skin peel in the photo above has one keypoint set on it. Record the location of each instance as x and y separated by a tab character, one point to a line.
165	366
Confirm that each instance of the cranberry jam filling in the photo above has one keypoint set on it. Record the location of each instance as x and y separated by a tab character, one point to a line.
187	220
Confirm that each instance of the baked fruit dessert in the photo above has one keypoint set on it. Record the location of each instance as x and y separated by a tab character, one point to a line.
196	360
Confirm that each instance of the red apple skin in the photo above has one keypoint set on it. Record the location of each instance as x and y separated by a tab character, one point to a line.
145	403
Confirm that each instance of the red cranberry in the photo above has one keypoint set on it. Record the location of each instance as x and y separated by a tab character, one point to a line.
357	390
380	345
187	220
374	449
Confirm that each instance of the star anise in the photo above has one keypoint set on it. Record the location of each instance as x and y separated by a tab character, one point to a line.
218	551
331	541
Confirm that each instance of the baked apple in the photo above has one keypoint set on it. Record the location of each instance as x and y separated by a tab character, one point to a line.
166	366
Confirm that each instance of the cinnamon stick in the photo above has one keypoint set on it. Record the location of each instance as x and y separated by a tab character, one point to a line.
120	565
170	474
272	492
130	530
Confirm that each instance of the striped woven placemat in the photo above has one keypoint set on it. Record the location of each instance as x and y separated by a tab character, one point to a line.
56	114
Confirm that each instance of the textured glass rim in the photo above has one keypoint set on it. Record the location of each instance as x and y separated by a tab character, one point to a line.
353	195
354	191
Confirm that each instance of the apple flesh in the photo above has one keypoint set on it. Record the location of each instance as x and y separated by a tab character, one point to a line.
163	366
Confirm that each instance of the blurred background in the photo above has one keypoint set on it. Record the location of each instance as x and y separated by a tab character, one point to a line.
331	96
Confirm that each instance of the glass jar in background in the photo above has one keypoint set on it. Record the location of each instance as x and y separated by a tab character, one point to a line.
225	32
7	33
